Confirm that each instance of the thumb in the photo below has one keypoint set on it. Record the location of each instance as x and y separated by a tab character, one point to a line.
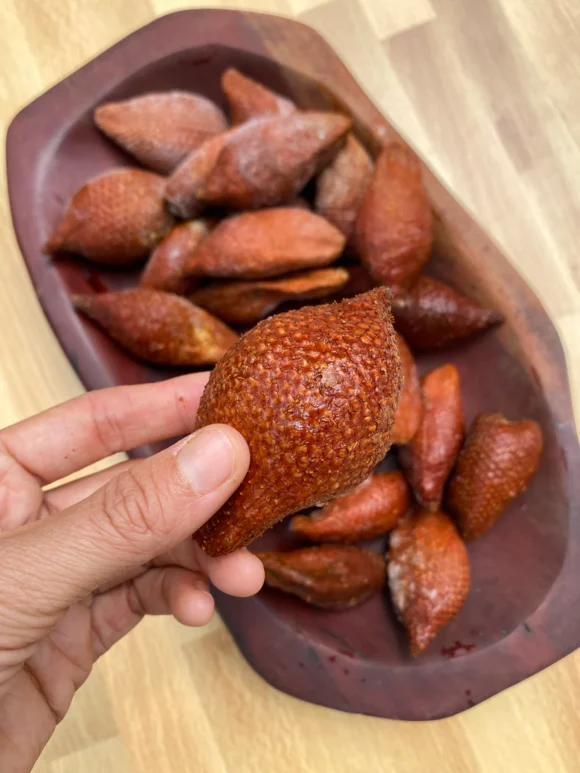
144	511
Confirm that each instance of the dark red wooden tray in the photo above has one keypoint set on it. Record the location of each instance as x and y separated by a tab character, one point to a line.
522	613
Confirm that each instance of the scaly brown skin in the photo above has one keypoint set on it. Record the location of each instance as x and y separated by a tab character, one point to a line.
341	186
166	268
182	189
267	161
370	510
429	458
327	576
497	462
266	243
158	327
394	226
313	392
431	315
410	409
117	218
249	99
159	130
244	303
429	576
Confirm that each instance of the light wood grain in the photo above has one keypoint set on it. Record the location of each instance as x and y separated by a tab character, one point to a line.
487	92
387	19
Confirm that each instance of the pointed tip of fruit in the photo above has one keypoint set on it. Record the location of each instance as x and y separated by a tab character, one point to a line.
106	116
495	318
88	303
55	241
80	301
299	524
229	73
341	121
334	123
420	640
399	301
483	318
446	372
100	111
383	293
378	297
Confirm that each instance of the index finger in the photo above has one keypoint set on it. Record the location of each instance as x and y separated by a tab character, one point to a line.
95	425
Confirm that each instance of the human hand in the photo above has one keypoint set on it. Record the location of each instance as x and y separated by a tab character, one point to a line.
81	564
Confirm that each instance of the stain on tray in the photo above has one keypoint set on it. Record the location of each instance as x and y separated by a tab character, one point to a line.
459	648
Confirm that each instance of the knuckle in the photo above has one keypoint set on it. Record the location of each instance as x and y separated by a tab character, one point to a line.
133	508
108	426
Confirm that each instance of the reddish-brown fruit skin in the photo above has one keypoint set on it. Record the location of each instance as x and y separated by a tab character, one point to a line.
497	462
410	409
249	99
429	577
166	269
267	161
371	509
243	303
327	576
429	458
341	186
394	227
117	218
182	189
431	315
314	393
159	130
158	327
267	243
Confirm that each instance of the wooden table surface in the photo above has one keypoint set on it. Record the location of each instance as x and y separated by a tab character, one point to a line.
487	90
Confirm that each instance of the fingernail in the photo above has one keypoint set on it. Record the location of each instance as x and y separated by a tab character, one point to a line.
201	587
207	460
